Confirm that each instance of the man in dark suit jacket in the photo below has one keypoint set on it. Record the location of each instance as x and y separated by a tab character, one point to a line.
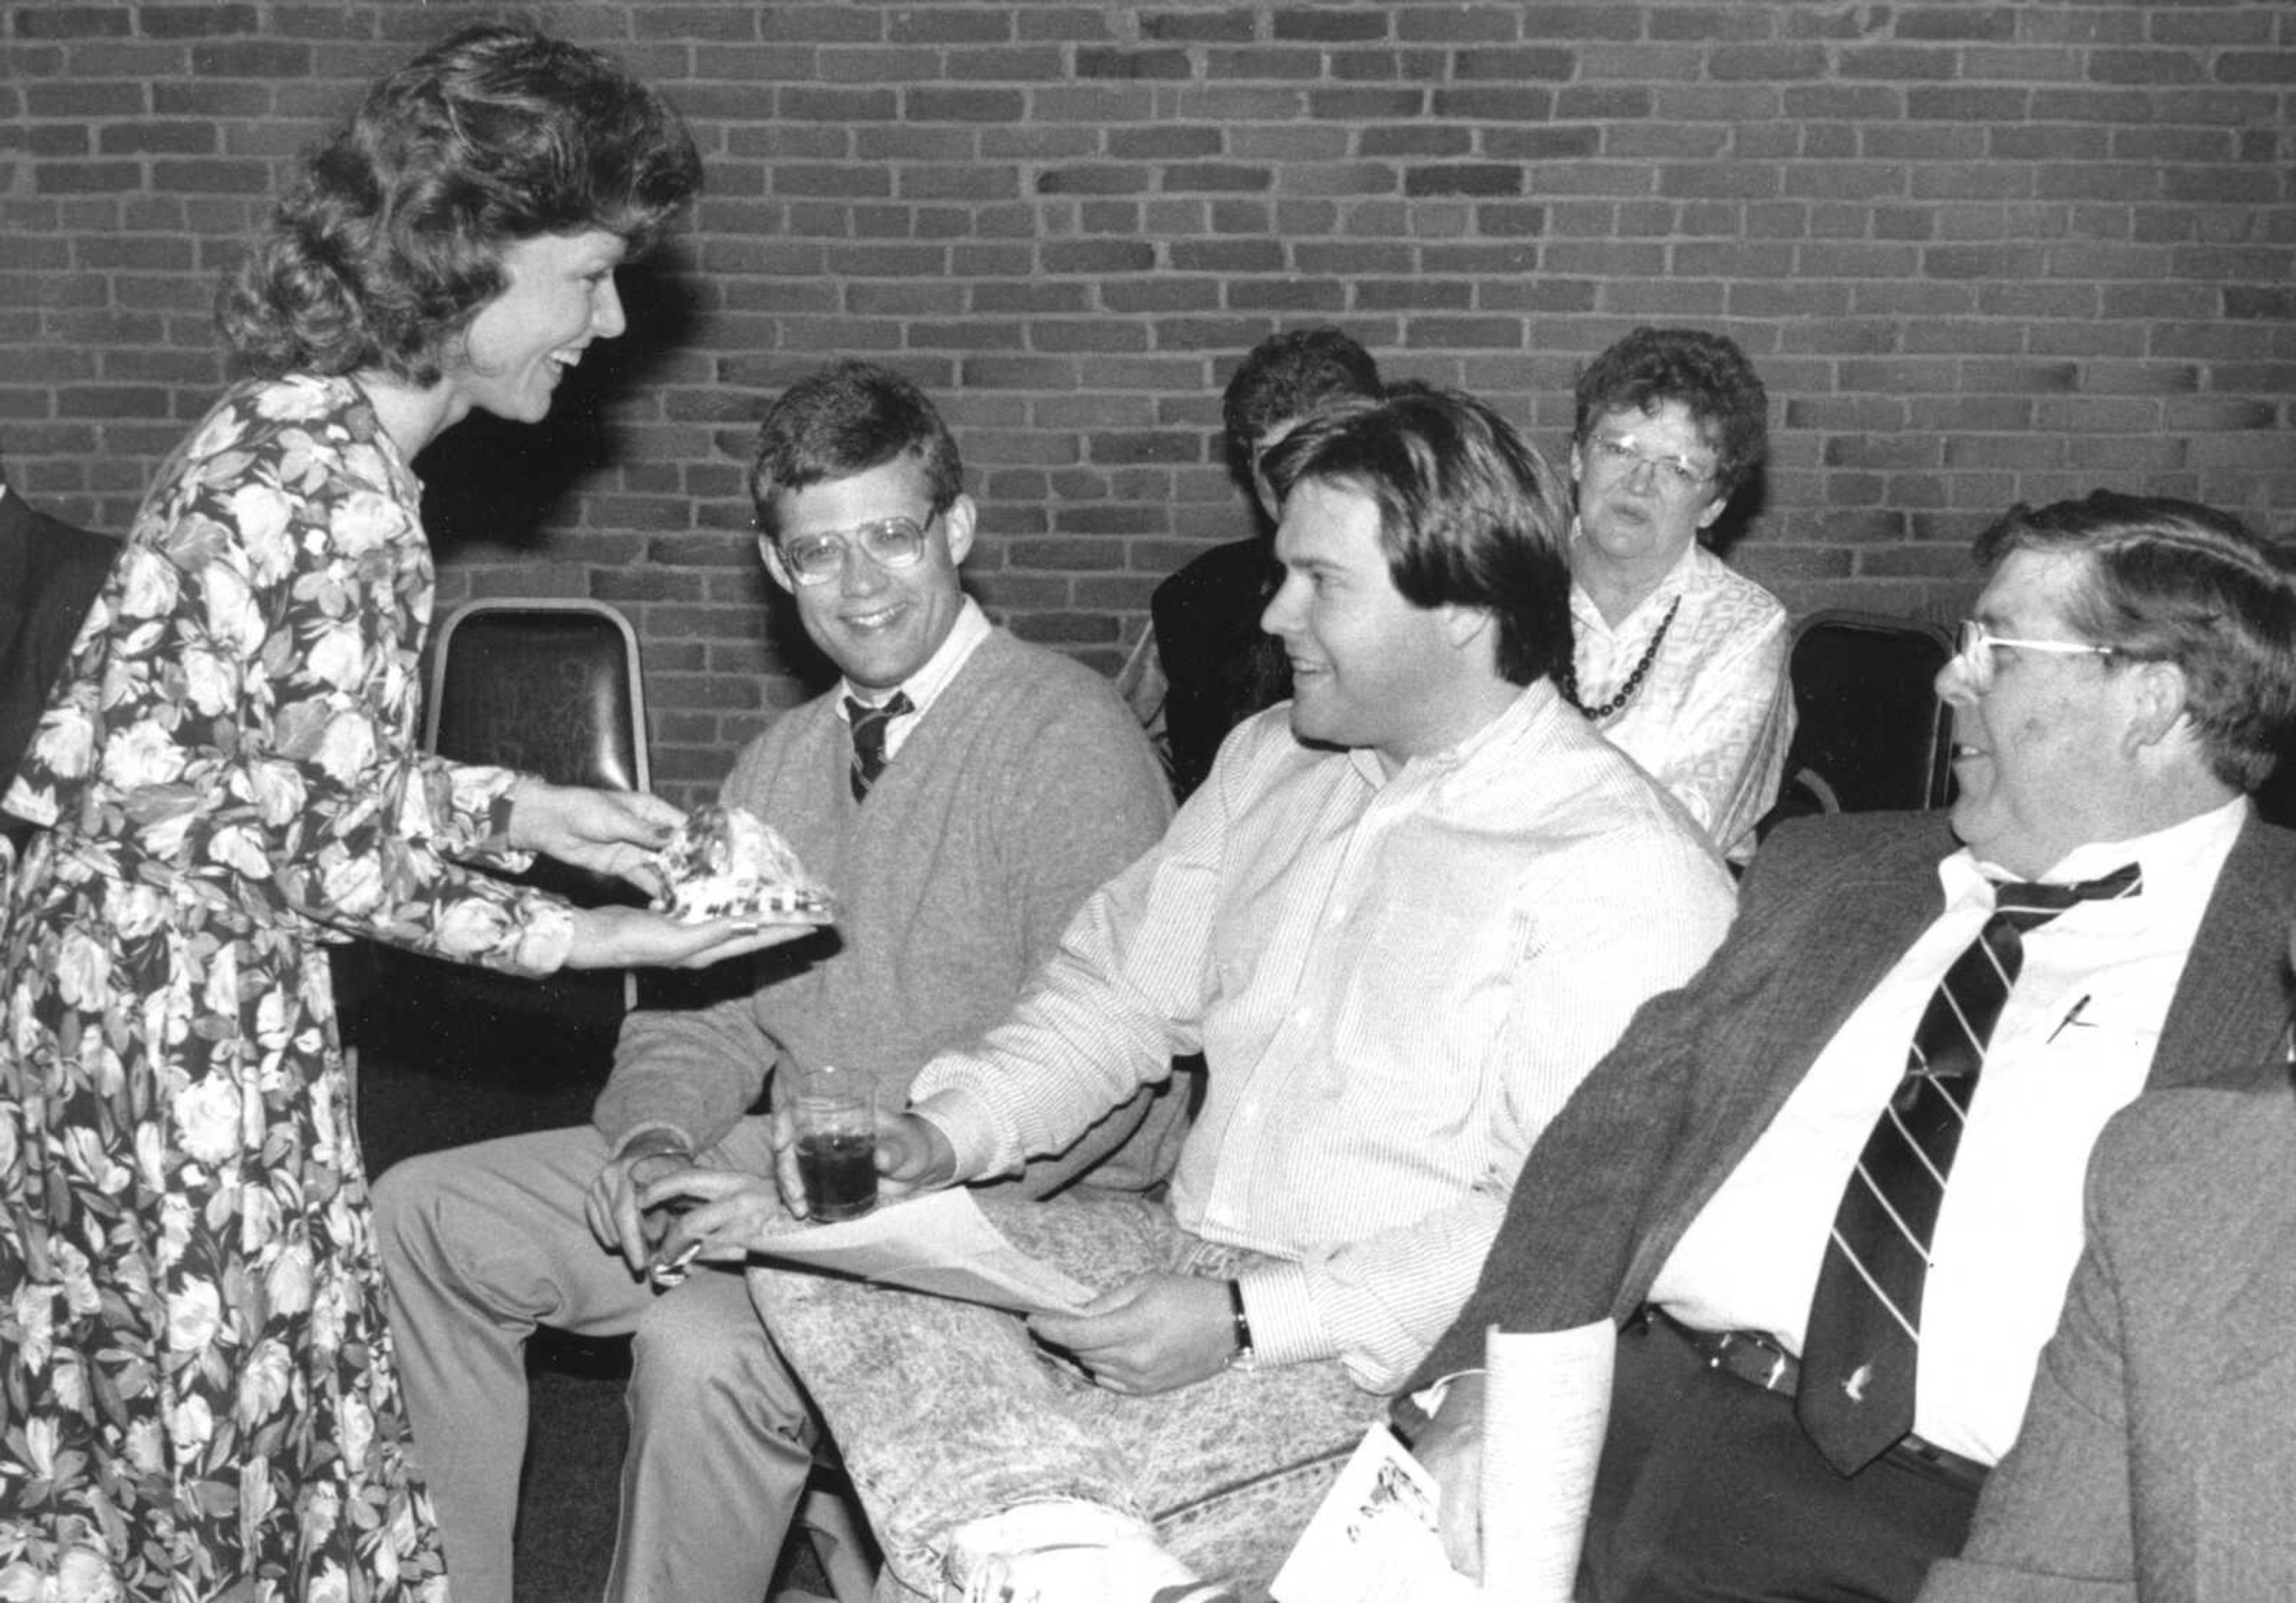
2157	1464
1218	665
2131	674
49	573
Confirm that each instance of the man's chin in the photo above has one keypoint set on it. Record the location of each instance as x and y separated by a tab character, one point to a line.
1310	730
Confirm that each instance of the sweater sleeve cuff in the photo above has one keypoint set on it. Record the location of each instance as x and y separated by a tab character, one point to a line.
1285	1327
970	1129
654	1138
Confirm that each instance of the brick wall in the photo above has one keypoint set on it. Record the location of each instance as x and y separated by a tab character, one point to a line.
1981	252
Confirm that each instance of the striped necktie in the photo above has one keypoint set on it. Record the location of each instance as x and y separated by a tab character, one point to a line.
1861	1346
870	725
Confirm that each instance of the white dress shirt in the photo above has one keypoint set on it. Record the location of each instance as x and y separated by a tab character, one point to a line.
1395	982
1713	716
2074	1045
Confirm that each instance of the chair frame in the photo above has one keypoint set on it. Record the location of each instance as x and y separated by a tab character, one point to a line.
1939	764
829	1515
642	765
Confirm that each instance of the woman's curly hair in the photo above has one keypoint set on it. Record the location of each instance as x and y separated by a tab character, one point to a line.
391	242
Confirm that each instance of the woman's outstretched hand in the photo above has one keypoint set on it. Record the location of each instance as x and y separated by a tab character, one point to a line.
635	938
614	832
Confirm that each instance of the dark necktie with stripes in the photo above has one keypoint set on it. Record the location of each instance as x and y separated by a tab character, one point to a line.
870	725
1860	1349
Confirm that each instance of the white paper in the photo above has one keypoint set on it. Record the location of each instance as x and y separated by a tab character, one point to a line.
940	1242
1546	1403
1373	1539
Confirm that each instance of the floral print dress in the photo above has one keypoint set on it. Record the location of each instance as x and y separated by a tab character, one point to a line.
196	1392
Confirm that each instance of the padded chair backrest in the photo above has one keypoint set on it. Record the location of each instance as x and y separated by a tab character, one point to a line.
453	1053
549	687
1871	731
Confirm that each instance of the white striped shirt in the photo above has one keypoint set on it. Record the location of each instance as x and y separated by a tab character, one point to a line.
1395	982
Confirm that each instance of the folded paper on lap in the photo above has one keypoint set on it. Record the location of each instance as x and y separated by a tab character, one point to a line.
1547	1404
939	1243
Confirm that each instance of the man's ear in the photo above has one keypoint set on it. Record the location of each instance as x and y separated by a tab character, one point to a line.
959	520
1462	626
2157	691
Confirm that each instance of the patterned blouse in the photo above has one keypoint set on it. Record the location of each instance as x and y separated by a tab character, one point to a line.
1713	715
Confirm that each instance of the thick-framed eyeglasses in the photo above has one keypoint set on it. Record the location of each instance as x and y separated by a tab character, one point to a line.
818	558
1974	647
1621	453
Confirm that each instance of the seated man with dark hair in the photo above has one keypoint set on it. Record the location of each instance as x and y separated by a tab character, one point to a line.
1399	919
1205	665
1831	1191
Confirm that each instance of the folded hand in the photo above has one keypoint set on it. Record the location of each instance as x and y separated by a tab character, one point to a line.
1160	1332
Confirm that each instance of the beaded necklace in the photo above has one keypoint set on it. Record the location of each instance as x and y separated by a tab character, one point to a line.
1634	680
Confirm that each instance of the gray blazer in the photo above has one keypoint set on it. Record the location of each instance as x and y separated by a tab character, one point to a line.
2158	1458
1829	905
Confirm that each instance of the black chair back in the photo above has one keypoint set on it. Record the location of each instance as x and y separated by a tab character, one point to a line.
451	1053
551	687
1871	731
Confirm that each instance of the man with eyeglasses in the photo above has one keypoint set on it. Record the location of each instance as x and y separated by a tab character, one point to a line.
962	792
1677	658
1830	1190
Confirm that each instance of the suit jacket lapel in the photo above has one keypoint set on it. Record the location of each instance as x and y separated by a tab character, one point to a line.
1820	968
2233	996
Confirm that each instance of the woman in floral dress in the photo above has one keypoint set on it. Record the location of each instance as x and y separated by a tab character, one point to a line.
197	1396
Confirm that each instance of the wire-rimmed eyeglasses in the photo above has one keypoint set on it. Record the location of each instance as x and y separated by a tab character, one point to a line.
1975	644
818	558
1622	454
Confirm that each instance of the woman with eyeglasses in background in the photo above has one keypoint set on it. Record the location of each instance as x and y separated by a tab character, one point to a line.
1680	661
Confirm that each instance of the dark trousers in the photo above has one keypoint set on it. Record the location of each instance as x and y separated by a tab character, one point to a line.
1709	1490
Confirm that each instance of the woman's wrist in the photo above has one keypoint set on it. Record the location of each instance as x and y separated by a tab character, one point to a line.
502	819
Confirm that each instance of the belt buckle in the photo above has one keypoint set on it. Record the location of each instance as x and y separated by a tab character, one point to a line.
1756	1361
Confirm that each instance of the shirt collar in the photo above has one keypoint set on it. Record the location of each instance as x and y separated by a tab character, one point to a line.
1535	701
2182	859
1647	611
924	686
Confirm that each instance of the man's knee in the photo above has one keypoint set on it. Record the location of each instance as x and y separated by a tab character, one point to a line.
457	1227
702	1345
409	1221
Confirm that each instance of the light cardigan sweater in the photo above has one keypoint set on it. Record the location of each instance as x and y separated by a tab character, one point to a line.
1024	785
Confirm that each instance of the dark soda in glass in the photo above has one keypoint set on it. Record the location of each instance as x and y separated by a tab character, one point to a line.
840	1172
